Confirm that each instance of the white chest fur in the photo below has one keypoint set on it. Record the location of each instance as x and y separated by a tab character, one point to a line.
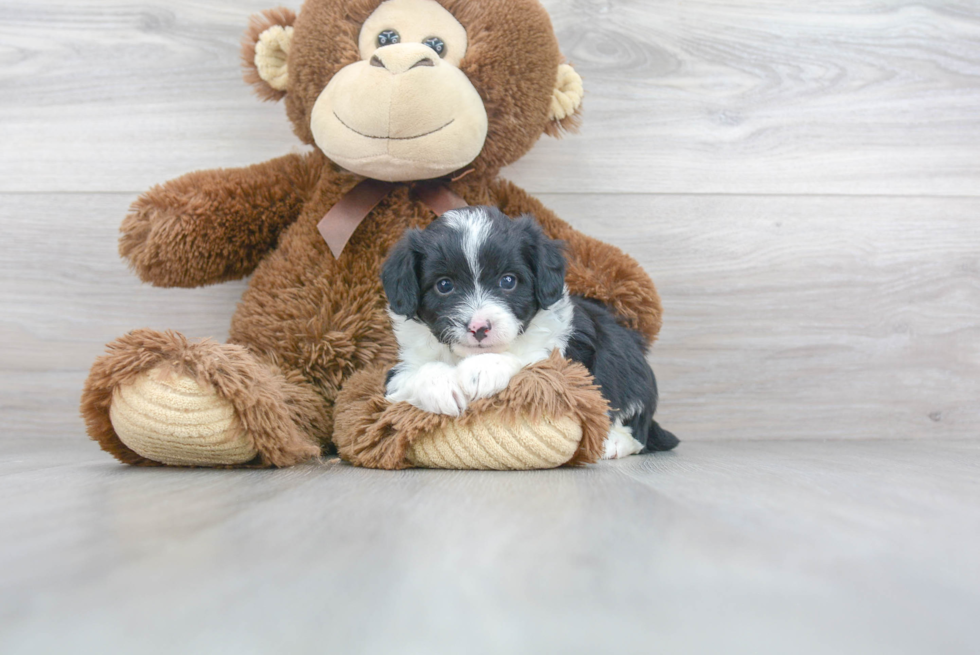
434	378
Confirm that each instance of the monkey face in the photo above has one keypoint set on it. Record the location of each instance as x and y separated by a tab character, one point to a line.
405	111
403	90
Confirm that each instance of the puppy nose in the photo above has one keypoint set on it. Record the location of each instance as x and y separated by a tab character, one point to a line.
403	57
480	332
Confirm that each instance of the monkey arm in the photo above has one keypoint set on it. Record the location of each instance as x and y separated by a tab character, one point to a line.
213	226
595	269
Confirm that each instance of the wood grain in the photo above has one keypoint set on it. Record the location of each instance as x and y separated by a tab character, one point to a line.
786	317
862	97
807	317
758	547
769	97
65	292
800	181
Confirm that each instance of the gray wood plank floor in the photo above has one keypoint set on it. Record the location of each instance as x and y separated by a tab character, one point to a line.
726	547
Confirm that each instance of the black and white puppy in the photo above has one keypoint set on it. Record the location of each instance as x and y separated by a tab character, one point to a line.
476	296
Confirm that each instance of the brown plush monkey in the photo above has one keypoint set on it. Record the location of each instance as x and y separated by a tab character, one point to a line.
397	92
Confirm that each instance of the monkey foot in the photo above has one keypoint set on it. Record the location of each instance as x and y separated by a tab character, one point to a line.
156	399
551	414
172	419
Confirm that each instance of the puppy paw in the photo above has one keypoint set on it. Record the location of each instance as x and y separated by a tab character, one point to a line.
438	391
620	442
432	388
442	397
481	376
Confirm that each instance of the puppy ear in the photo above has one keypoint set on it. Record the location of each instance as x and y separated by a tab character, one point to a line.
548	263
400	276
265	51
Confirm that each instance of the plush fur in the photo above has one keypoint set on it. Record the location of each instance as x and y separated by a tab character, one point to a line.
258	24
278	410
476	296
512	59
312	319
372	432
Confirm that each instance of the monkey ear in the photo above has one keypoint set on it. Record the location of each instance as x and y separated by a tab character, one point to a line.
566	102
265	51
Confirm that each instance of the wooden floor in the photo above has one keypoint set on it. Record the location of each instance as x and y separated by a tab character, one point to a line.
727	547
802	181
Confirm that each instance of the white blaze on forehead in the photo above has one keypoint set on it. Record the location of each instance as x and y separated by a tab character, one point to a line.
474	228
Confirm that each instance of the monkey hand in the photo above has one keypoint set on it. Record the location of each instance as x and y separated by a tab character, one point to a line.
213	226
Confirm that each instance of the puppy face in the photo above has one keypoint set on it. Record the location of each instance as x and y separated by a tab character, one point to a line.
475	277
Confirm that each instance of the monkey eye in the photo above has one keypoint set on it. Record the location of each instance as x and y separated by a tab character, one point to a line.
444	286
388	37
508	282
436	44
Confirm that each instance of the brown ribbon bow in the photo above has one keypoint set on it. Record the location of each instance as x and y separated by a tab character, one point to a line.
339	224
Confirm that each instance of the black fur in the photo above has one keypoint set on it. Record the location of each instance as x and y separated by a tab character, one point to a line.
615	357
423	257
548	258
400	274
613	354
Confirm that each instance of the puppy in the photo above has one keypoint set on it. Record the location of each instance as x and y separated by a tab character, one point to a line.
476	296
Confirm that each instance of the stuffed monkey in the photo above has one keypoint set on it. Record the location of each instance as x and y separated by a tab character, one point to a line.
410	107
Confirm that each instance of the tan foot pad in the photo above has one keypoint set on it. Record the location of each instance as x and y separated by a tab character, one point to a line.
550	415
522	445
171	419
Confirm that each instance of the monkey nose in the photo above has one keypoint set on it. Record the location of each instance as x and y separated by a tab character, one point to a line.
403	57
480	332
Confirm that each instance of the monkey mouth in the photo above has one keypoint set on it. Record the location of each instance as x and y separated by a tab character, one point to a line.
393	138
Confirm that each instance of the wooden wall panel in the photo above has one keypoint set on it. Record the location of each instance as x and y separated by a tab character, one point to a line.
800	181
807	317
862	324
692	97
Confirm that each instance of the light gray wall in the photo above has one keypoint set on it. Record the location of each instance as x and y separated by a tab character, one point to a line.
802	182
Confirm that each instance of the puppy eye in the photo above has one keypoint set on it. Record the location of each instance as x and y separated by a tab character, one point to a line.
508	282
436	44
444	286
388	37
